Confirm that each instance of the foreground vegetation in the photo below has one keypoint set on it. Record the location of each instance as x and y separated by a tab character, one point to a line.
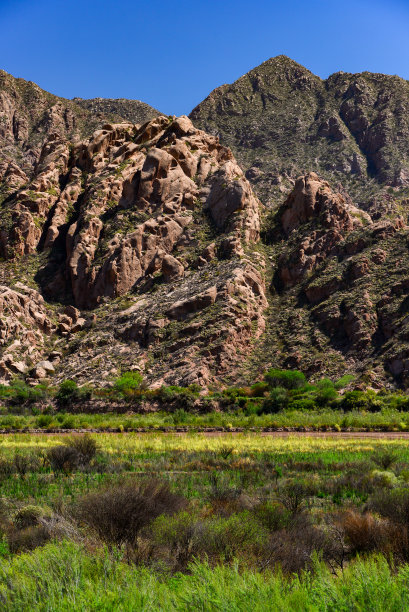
66	577
180	522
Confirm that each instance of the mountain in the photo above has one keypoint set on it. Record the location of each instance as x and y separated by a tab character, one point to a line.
132	111
275	236
28	115
134	249
281	121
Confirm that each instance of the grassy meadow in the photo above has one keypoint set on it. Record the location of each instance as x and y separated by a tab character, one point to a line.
160	521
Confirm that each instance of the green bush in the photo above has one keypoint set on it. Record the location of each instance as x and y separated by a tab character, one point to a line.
359	400
344	381
276	401
44	420
185	396
70	393
289	379
85	446
20	393
302	404
325	392
128	385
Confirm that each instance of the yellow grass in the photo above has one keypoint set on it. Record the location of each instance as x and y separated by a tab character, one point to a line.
157	443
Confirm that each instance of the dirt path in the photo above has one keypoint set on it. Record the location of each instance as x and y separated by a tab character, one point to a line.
386	435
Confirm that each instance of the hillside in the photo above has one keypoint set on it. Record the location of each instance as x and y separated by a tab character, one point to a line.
140	245
281	121
28	115
141	239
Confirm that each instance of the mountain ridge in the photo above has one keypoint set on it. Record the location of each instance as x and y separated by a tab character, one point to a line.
146	237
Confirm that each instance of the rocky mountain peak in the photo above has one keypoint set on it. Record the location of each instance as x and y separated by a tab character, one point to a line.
281	121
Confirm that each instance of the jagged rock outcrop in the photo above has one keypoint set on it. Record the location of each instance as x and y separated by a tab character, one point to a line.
146	184
324	219
29	115
24	325
161	211
339	287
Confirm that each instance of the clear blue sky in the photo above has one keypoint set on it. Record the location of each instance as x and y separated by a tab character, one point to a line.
171	54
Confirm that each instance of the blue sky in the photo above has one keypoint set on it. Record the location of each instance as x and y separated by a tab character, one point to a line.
172	54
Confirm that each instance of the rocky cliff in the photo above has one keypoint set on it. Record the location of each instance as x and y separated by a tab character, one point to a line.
138	242
142	238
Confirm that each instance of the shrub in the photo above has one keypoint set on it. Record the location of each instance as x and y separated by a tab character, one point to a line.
358	400
393	504
276	401
344	381
23	540
63	458
180	416
228	500
7	468
271	515
44	420
185	396
25	464
294	548
238	534
85	446
28	516
365	532
383	478
384	459
259	389
289	379
20	393
183	534
325	392
302	404
118	513
70	393
293	496
128	384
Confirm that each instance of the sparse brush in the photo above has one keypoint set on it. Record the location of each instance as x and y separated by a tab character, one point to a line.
85	446
118	513
63	458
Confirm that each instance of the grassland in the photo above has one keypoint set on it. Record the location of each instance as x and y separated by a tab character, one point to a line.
315	420
278	523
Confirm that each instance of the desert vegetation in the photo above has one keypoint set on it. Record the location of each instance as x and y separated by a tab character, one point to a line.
186	521
283	399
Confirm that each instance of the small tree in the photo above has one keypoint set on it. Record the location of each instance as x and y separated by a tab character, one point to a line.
289	379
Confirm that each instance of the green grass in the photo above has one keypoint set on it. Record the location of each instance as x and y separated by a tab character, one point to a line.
387	419
65	577
190	462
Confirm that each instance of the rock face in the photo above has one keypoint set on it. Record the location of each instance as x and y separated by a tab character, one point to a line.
29	115
160	213
141	244
339	287
25	323
323	217
280	120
